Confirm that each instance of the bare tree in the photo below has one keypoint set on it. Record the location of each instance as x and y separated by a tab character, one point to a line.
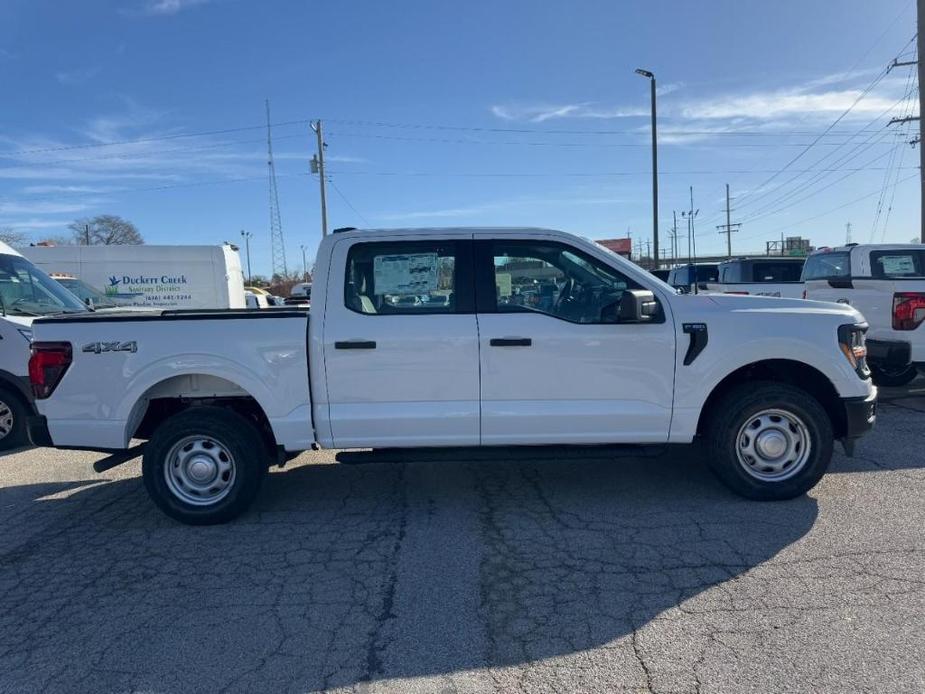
105	230
12	237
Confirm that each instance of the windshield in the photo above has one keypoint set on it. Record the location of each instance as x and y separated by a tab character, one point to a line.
84	291
27	291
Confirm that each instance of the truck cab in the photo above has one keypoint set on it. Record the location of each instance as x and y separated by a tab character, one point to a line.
763	276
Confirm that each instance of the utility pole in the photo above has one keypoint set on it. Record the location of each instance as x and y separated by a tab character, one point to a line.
277	244
920	46
649	253
847	233
920	64
304	266
728	227
651	78
87	233
318	167
246	235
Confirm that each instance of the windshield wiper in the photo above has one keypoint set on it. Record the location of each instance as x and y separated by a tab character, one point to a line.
14	311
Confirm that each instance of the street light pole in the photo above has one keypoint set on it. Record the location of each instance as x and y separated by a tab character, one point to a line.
651	78
304	266
246	235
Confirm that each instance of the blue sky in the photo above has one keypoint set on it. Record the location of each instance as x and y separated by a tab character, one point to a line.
476	113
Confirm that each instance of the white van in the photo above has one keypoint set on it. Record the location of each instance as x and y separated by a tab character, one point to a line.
25	294
152	276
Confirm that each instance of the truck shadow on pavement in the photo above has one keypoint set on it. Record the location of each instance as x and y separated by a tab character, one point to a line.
345	575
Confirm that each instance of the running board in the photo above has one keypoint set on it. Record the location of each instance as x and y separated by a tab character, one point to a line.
116	459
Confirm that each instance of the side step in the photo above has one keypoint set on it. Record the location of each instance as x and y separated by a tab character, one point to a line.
119	457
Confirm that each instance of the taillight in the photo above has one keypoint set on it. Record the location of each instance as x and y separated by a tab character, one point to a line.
47	365
908	310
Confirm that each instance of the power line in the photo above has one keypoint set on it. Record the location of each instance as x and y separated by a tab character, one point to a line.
848	110
349	204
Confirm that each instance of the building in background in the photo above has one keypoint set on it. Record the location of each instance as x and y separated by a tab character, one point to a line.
622	247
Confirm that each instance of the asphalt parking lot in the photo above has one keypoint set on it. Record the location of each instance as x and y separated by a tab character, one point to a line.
502	573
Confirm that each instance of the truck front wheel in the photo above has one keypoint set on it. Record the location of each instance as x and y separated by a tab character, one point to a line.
13	414
769	441
204	465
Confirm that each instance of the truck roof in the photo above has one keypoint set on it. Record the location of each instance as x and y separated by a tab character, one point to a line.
873	247
443	230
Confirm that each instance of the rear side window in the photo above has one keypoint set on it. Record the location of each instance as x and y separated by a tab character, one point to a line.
771	271
897	264
707	273
823	266
413	278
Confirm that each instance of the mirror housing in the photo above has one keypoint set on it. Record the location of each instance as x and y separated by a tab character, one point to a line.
636	306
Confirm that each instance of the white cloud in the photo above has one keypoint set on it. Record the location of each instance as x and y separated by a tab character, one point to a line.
785	103
73	78
34	223
539	113
64	189
42	207
168	7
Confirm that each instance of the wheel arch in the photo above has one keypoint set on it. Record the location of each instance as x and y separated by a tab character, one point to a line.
175	394
792	372
18	385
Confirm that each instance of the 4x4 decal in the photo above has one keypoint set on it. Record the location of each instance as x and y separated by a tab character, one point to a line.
100	347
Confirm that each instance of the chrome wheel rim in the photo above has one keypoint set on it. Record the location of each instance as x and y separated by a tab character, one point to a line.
6	420
199	470
773	445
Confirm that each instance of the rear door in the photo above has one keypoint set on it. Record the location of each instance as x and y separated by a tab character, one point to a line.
827	277
897	277
401	343
553	369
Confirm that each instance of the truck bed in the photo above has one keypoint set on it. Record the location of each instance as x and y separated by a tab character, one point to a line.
123	362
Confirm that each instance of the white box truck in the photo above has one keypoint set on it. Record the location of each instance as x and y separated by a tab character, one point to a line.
172	277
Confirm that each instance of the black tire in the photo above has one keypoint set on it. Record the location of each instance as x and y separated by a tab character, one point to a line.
894	378
232	436
13	415
747	406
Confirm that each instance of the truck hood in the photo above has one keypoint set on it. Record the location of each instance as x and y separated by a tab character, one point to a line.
769	305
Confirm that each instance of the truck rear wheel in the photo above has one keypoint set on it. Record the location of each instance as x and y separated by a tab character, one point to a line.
204	465
769	441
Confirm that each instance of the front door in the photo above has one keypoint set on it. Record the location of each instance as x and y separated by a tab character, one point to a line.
555	368
401	344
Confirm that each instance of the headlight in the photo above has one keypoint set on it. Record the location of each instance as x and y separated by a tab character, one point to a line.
852	343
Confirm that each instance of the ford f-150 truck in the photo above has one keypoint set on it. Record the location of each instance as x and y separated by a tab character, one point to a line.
455	338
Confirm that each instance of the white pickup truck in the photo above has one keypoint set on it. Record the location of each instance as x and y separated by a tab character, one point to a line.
886	283
454	338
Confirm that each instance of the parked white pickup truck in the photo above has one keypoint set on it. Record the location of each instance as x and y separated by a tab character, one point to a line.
886	283
457	337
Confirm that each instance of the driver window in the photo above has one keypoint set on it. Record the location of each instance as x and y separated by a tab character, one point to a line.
556	280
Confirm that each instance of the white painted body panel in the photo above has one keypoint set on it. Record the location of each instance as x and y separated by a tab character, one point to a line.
786	290
433	380
873	297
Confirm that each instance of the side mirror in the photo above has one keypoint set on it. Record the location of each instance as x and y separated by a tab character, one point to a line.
637	306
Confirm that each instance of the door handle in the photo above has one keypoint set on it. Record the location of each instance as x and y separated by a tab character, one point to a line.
510	342
355	344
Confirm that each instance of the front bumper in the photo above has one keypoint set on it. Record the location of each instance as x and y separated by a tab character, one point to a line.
860	416
890	354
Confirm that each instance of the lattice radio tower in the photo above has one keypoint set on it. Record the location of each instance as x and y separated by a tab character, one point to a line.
277	246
